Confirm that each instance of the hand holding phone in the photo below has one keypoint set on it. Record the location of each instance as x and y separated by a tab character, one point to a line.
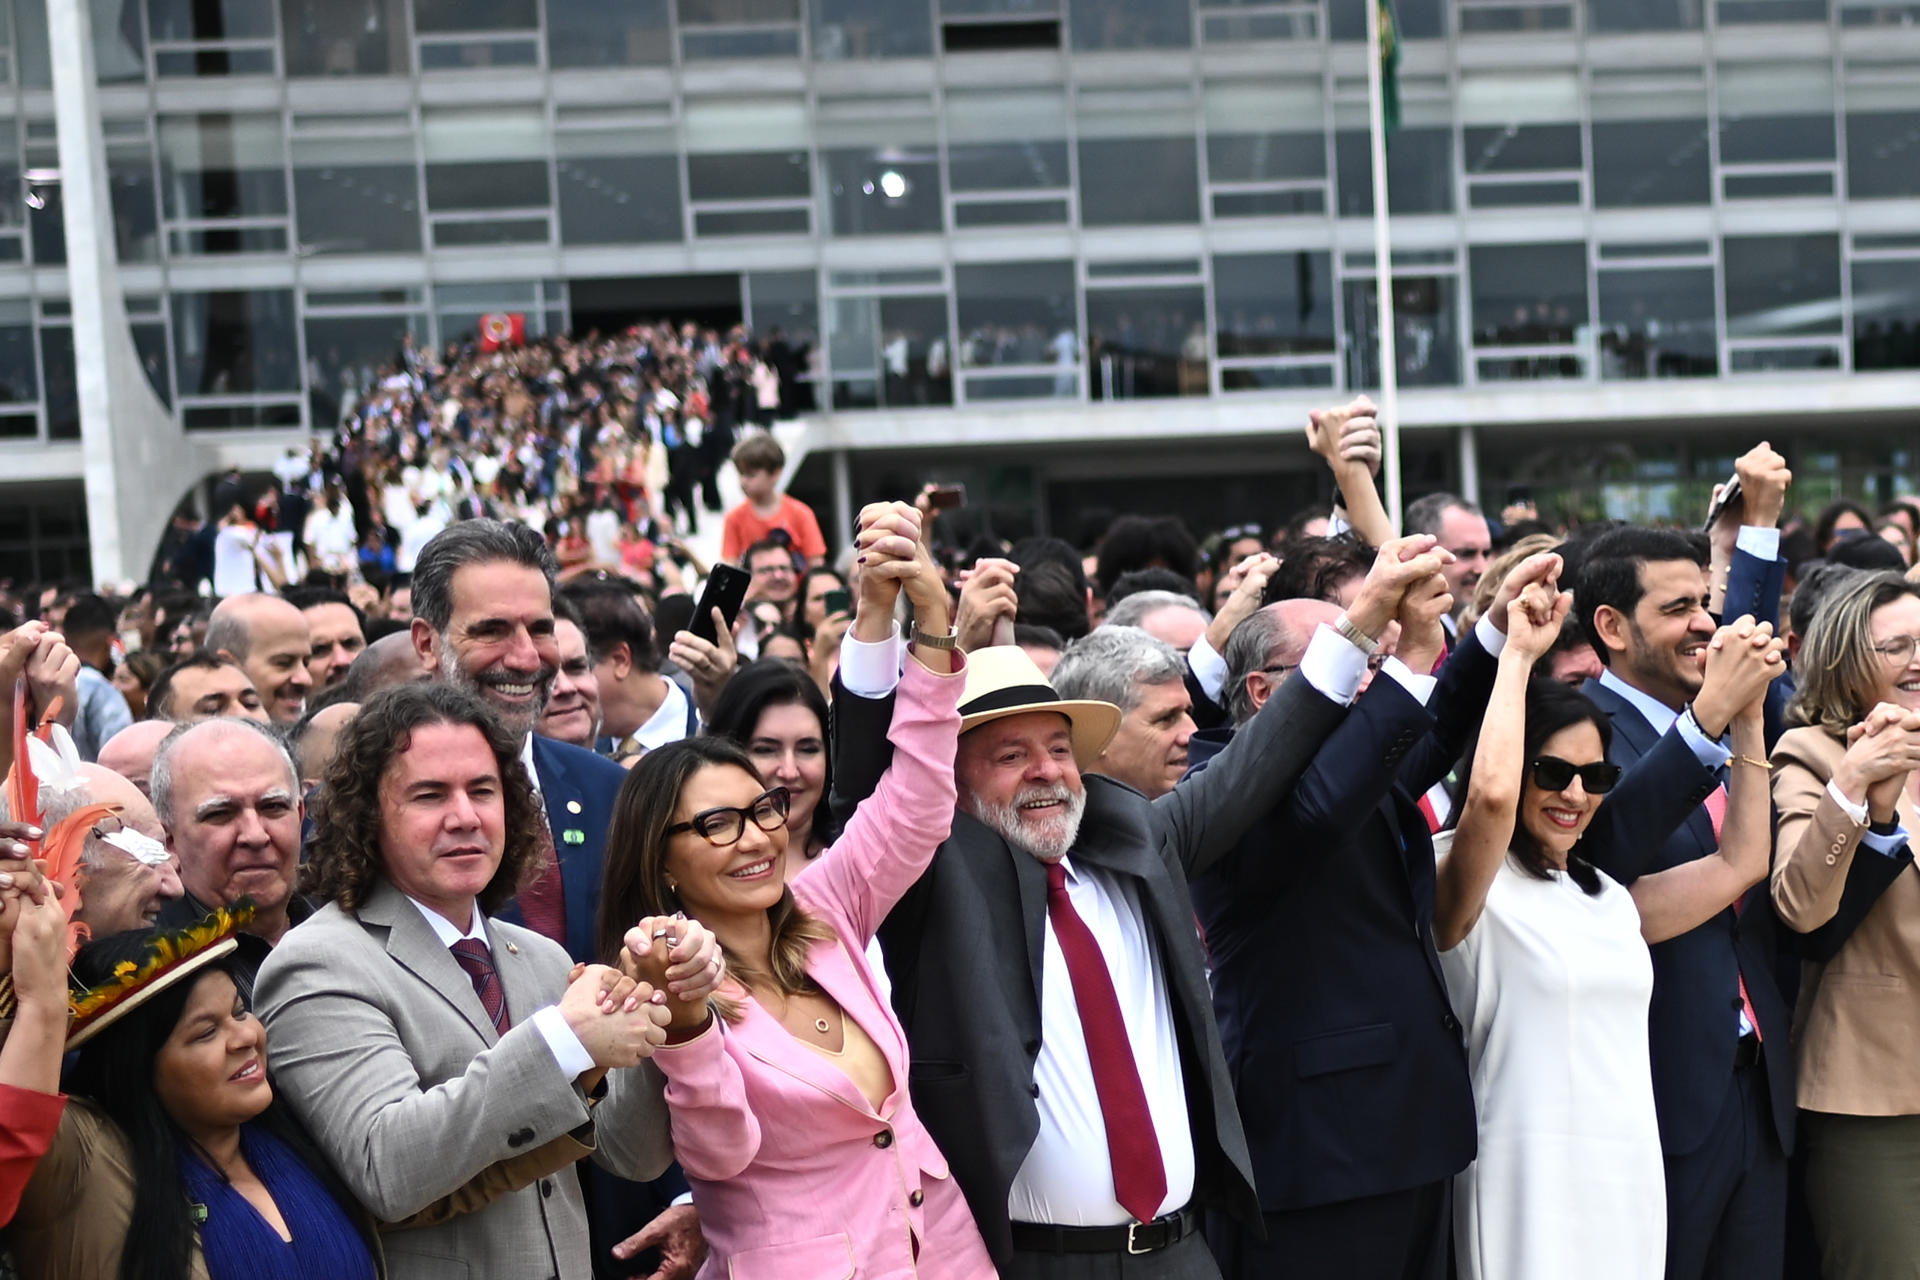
726	589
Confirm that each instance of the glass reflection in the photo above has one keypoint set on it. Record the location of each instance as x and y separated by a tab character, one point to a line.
1419	171
233	342
589	33
1130	24
1528	295
1778	285
619	199
1019	313
1883	154
1128	182
1277	304
883	191
1657	324
1886	315
1641	163
1425	331
852	29
343	37
1147	342
347	354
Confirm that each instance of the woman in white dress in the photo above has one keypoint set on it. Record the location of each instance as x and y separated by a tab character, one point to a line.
1546	962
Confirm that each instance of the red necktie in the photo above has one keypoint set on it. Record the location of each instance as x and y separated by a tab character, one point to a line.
477	960
1139	1174
1717	814
543	899
1426	811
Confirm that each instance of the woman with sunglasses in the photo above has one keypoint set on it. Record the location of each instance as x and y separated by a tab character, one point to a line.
1547	966
789	1101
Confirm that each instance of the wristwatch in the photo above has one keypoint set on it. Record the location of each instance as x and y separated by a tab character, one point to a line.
951	640
1361	640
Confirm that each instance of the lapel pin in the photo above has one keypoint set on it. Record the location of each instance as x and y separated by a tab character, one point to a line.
513	949
573	835
573	806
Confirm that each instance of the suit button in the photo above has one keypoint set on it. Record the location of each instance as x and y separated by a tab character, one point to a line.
1032	1047
883	1139
917	1199
1450	1022
520	1138
1034	1089
546	1188
1831	859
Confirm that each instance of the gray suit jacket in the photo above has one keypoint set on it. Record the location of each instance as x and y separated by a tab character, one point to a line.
377	1038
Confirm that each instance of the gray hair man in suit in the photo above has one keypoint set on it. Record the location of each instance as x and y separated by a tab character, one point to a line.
424	1042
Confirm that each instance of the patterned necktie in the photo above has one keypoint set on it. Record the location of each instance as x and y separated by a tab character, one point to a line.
1717	814
477	960
1139	1173
543	899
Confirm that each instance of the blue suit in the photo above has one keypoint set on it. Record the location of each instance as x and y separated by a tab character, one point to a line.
579	789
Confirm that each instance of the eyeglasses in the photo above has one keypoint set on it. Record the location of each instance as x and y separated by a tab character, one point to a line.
778	569
725	825
1897	650
1551	773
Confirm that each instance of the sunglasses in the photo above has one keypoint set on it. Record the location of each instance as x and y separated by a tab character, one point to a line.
725	825
1551	773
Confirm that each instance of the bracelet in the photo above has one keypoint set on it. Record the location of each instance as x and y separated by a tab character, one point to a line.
1358	638
949	641
1758	764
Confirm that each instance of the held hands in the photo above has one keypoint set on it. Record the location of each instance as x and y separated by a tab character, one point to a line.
680	957
1246	584
1742	659
1422	638
1881	751
1541	570
1401	564
1534	618
987	595
620	1022
893	557
1347	437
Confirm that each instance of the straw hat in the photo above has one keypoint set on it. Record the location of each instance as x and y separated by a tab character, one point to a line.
1003	681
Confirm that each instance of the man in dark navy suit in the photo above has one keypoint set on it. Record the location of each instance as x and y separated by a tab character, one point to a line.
1718	1027
483	619
1349	1065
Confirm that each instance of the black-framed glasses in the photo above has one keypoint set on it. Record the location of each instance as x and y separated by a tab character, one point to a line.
1551	773
1897	650
725	825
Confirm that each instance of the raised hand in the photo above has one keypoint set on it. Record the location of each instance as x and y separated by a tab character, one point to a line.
1422	637
53	671
1882	750
987	595
616	1036
1543	569
1534	618
708	664
1401	563
680	957
1246	585
1742	659
1348	436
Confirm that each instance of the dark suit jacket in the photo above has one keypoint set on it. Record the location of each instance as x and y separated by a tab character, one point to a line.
964	949
1753	587
1333	1009
1654	820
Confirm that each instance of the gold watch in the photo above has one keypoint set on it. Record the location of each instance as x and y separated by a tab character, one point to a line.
949	641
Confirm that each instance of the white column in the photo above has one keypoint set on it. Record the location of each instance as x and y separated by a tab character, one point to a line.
1469	447
138	462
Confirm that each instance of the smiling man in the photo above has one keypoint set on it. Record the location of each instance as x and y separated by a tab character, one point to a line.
573	711
268	637
1146	679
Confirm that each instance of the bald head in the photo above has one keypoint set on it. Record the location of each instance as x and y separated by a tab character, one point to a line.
1266	648
388	661
314	740
268	637
136	811
129	876
129	753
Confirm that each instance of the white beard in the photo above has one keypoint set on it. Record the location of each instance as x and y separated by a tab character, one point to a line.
1049	841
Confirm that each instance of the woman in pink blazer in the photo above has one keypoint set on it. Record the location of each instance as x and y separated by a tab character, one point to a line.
791	1115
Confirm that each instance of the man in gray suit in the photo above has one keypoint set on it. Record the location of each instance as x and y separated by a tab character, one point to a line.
424	1043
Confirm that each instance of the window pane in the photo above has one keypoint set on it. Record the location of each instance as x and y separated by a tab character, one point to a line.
327	38
1418	19
1645	15
1425	331
1886	315
1782	285
222	166
871	29
1419	171
748	176
347	354
1130	24
1019	313
356	195
63	385
1528	295
883	191
1135	181
432	17
1657	324
785	314
210	19
514	184
1147	342
915	354
1273	304
1883	155
619	199
730	12
1521	148
608	33
1773	112
1637	163
1013	141
19	384
1267	157
229	343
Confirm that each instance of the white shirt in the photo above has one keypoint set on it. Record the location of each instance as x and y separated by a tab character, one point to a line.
552	1025
668	724
415	537
1067	1177
234	570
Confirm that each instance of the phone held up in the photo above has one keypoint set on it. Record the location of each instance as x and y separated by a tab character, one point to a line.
725	590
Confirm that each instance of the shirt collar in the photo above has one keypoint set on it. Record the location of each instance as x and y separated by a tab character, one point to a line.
668	724
445	930
526	759
1657	713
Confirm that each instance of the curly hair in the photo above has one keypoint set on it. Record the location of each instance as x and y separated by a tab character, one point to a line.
343	857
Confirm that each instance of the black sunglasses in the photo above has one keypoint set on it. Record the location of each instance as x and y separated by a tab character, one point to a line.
725	825
1551	773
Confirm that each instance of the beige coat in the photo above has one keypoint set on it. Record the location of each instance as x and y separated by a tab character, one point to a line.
1856	1030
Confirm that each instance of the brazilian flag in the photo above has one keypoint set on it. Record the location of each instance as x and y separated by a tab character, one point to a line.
1389	65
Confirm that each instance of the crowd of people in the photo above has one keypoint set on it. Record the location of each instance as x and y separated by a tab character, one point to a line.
1476	897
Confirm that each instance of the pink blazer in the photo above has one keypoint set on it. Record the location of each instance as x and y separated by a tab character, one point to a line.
795	1174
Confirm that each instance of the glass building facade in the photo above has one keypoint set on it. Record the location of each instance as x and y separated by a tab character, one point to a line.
987	204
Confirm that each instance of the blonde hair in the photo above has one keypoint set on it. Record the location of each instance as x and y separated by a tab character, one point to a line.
1505	563
1838	668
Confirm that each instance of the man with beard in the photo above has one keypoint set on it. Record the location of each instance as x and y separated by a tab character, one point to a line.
1065	1055
483	620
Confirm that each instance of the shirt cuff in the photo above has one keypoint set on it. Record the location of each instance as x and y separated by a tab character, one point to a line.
685	1197
1334	665
1759	542
1492	638
1208	667
1705	749
1421	687
1886	846
1858	812
871	668
567	1050
1337	523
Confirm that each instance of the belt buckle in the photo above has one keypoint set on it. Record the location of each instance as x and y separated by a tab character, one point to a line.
1131	1249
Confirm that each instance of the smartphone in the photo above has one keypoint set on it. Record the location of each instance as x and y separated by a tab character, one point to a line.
947	496
1730	493
837	602
726	588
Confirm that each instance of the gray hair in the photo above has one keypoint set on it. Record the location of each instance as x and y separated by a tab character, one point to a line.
472	542
1133	609
1249	649
1111	664
1424	516
160	781
229	630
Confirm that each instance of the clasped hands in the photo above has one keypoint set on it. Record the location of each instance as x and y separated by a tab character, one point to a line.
667	968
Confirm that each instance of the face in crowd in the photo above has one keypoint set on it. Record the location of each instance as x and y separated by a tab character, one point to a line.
443	817
573	711
233	818
500	642
1018	775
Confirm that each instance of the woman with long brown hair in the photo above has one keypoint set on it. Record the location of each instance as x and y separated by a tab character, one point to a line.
788	1095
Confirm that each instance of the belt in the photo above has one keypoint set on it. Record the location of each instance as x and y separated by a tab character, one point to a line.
1746	1052
1134	1238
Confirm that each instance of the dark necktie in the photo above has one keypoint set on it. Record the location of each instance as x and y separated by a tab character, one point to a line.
477	960
1139	1174
543	899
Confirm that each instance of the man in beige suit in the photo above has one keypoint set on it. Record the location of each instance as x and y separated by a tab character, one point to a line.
422	1042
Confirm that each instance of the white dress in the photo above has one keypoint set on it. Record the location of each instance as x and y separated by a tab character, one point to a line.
1552	986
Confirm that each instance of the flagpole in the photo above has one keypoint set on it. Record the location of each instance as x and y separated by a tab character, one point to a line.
1383	267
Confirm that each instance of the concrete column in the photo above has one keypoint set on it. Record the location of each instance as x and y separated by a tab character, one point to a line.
1469	464
138	461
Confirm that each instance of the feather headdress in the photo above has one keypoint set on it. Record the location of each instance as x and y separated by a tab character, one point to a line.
172	956
46	760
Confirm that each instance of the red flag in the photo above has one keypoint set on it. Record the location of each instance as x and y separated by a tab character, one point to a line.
503	329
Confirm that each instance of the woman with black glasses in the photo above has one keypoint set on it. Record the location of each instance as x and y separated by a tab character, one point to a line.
1547	966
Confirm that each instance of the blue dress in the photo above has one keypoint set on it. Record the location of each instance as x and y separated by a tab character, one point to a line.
239	1244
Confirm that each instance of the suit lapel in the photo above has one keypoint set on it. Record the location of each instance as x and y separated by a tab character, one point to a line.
579	864
414	946
762	1035
519	979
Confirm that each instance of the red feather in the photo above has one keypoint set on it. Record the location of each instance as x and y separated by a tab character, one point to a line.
23	789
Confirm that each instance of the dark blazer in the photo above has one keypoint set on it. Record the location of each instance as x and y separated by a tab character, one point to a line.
1333	1009
1693	1021
967	986
1753	587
